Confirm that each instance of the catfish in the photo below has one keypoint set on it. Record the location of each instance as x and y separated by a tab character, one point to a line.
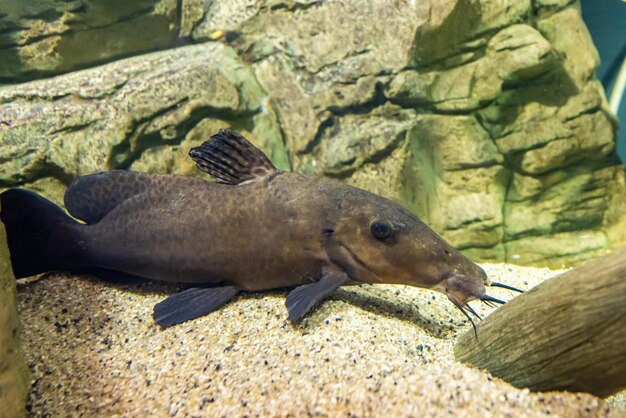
255	228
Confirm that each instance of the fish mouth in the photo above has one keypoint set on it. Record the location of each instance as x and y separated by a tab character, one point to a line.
460	290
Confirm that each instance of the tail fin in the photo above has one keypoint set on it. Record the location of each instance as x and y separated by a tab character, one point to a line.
37	232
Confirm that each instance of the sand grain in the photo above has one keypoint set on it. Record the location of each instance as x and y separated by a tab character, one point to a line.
93	350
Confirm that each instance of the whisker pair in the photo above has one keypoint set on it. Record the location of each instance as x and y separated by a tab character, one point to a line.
489	300
469	308
486	299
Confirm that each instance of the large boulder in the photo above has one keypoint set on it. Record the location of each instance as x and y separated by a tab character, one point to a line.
13	373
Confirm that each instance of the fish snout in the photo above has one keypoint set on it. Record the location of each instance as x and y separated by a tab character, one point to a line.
464	288
461	288
467	282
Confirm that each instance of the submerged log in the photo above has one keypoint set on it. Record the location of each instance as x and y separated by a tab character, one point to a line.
568	333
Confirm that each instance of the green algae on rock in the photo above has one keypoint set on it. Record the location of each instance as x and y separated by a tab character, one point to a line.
13	373
52	37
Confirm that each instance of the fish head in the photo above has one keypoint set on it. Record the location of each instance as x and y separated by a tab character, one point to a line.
376	240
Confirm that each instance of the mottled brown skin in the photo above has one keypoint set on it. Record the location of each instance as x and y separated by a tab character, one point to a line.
267	234
259	229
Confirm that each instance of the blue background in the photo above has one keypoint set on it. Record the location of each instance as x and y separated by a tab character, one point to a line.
606	20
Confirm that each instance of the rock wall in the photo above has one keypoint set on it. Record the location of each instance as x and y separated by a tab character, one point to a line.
483	117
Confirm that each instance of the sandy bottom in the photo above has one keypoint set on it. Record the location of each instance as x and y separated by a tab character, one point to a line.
93	350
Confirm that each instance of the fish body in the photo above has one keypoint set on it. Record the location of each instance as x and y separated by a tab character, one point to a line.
180	229
256	228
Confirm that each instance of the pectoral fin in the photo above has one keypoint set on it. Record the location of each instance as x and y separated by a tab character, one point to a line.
191	303
303	298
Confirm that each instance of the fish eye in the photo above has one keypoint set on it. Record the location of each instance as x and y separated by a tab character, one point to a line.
381	229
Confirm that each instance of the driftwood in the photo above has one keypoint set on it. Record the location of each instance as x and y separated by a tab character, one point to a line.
568	333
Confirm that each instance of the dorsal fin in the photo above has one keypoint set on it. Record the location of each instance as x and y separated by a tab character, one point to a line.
91	197
231	158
